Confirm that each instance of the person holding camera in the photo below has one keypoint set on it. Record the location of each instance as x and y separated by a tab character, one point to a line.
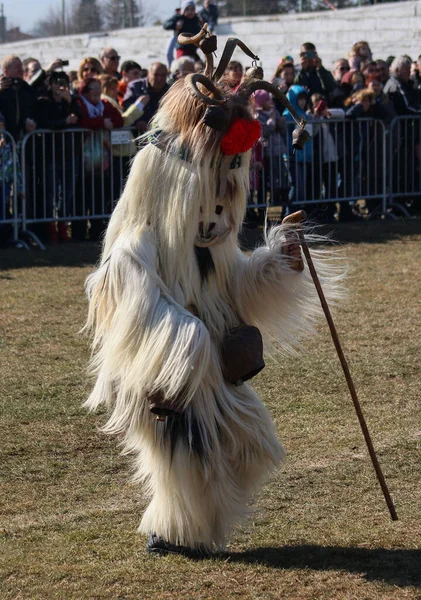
37	77
17	99
313	76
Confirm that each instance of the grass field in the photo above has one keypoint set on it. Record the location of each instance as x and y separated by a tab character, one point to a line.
320	529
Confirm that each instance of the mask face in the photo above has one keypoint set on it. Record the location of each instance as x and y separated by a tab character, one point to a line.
217	230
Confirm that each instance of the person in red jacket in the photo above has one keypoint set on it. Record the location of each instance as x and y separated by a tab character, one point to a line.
97	113
94	197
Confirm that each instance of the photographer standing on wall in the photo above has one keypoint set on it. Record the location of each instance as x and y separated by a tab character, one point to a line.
209	15
187	21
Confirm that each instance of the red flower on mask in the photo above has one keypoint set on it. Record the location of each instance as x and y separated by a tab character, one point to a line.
241	136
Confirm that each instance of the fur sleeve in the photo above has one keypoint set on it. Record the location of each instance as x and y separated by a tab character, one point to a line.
144	342
281	302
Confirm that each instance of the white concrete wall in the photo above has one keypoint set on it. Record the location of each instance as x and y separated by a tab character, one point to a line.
391	29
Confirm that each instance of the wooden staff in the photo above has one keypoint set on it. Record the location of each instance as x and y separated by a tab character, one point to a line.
296	218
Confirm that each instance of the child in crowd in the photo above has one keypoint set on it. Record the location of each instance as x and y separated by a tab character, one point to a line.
299	160
325	156
234	75
360	53
274	147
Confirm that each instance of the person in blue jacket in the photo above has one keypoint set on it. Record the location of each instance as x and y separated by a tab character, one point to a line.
300	159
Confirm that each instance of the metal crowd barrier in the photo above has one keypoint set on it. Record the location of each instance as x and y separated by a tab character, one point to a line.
404	162
10	188
76	175
344	160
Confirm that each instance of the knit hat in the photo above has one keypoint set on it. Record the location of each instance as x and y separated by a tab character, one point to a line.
185	4
260	97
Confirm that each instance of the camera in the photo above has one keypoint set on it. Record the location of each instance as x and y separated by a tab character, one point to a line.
16	81
65	63
309	54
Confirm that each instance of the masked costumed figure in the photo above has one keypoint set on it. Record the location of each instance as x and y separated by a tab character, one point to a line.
180	314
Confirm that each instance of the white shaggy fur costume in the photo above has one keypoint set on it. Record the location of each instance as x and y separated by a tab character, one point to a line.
159	322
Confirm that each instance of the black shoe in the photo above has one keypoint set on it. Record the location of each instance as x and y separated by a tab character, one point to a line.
157	545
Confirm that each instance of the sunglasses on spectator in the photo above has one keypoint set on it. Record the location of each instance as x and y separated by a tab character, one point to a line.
113	57
344	68
91	69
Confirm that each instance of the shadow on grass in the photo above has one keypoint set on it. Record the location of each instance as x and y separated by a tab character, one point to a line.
87	253
399	567
367	232
78	254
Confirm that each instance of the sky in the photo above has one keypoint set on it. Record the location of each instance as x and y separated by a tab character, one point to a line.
25	13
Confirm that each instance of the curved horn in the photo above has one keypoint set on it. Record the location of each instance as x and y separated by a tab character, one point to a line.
189	38
230	46
249	87
192	79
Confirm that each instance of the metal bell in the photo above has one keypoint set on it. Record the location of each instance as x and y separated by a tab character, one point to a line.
254	72
208	44
216	117
299	138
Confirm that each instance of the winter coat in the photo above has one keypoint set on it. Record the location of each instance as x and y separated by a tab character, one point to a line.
324	146
404	96
96	150
272	127
367	137
189	26
210	16
110	112
50	114
292	95
17	103
140	87
317	81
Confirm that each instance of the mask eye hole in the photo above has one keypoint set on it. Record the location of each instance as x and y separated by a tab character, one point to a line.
219	208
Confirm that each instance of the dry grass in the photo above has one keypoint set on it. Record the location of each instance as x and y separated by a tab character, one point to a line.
319	530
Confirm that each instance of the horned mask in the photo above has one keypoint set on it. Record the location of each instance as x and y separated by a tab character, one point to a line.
219	123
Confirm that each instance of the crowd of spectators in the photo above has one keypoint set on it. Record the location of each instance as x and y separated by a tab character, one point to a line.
104	95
